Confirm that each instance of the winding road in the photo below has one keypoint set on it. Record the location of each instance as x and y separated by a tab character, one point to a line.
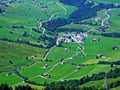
107	15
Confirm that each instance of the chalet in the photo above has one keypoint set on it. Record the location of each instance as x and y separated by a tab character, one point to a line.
46	75
62	61
46	66
103	27
78	68
34	56
9	74
81	47
100	56
95	40
66	49
25	80
114	65
115	47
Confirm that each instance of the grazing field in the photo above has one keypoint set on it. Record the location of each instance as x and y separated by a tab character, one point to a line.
13	79
27	15
115	27
15	55
117	88
68	70
29	53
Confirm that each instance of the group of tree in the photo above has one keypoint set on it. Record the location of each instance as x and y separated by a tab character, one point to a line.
75	83
114	84
71	88
1	10
85	10
111	63
114	34
54	24
20	87
17	26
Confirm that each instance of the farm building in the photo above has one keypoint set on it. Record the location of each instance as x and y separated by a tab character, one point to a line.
45	75
9	74
95	40
45	66
115	47
78	68
100	56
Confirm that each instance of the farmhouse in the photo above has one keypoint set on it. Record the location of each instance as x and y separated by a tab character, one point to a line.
78	68
103	28
66	49
45	75
62	61
81	47
9	74
95	40
45	66
115	47
100	56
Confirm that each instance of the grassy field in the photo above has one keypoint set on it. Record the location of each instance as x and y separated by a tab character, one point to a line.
26	14
14	55
68	70
117	88
114	21
100	83
11	80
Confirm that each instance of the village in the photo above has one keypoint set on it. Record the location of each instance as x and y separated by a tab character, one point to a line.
77	37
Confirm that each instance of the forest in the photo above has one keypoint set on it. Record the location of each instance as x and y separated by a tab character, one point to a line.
84	11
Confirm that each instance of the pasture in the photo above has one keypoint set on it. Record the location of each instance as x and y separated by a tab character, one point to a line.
65	62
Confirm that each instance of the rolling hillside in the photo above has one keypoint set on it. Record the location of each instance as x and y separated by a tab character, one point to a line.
54	44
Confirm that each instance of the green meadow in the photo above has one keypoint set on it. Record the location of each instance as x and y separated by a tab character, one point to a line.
27	62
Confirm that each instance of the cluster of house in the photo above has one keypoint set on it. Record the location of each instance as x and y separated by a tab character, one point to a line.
77	37
103	28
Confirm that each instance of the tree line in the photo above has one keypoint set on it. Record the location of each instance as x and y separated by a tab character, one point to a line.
105	62
75	83
20	87
114	34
